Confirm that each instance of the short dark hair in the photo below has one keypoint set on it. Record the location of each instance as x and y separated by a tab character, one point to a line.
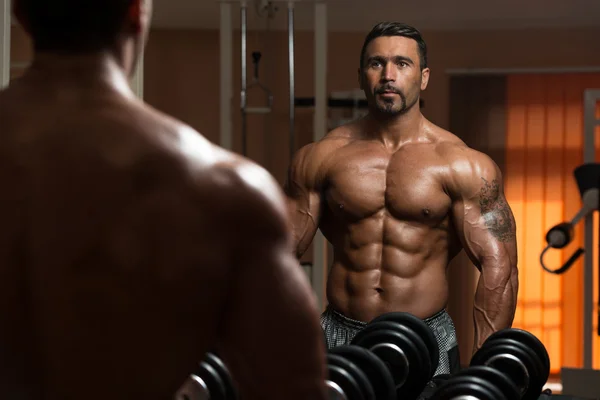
396	29
74	25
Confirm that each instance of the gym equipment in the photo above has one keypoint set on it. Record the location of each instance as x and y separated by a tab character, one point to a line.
373	367
520	356
433	385
491	375
422	330
587	177
226	44
512	364
345	380
530	341
560	235
256	56
402	349
211	380
468	387
404	353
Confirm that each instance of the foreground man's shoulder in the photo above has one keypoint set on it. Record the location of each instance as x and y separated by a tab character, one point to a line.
246	191
234	186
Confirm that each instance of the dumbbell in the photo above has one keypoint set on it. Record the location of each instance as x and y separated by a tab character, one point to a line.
210	381
477	383
512	364
355	373
408	349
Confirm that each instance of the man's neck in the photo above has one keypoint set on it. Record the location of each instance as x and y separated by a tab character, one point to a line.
93	71
392	131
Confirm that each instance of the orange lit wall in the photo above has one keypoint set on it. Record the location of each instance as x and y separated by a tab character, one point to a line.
544	144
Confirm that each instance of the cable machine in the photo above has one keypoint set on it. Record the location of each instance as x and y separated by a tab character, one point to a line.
255	83
318	270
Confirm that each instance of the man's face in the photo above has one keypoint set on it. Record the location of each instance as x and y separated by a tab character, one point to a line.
391	75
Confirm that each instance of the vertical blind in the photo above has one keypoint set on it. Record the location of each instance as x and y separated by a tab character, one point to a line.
544	144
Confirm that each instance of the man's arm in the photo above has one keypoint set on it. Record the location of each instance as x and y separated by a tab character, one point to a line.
271	337
303	198
486	227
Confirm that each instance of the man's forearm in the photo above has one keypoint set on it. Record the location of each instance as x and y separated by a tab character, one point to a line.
495	301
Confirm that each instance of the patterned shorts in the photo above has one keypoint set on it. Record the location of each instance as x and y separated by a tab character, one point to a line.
340	330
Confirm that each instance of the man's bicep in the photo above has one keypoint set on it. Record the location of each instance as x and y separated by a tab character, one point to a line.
270	334
483	217
496	213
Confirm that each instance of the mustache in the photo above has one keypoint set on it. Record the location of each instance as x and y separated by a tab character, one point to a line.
387	88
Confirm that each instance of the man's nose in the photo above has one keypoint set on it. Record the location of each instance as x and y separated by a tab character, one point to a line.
388	74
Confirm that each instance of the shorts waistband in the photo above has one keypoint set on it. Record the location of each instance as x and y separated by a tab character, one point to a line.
435	316
361	324
343	319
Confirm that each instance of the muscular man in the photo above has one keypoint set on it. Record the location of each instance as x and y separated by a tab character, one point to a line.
398	198
130	246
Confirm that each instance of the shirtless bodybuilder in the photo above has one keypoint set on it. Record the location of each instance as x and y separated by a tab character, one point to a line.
398	198
130	246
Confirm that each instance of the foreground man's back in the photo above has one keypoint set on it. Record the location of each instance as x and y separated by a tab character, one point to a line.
131	246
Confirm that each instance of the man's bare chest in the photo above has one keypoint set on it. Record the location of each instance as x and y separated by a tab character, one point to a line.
404	185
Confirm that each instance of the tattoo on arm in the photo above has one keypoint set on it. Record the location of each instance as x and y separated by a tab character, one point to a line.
496	211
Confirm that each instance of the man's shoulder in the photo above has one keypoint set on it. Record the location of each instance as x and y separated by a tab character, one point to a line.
248	195
465	159
223	180
233	180
469	168
240	194
454	150
318	151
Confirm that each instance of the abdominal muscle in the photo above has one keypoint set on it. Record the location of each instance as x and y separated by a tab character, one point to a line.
388	266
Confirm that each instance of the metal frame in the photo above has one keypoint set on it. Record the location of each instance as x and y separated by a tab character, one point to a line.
226	67
137	82
291	65
590	98
321	249
318	273
5	27
245	110
243	70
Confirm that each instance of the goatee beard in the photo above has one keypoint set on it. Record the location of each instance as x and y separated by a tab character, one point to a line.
388	108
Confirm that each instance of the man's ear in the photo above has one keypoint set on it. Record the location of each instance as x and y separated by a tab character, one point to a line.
424	78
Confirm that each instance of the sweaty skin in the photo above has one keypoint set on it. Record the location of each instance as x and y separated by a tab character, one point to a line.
398	199
131	246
